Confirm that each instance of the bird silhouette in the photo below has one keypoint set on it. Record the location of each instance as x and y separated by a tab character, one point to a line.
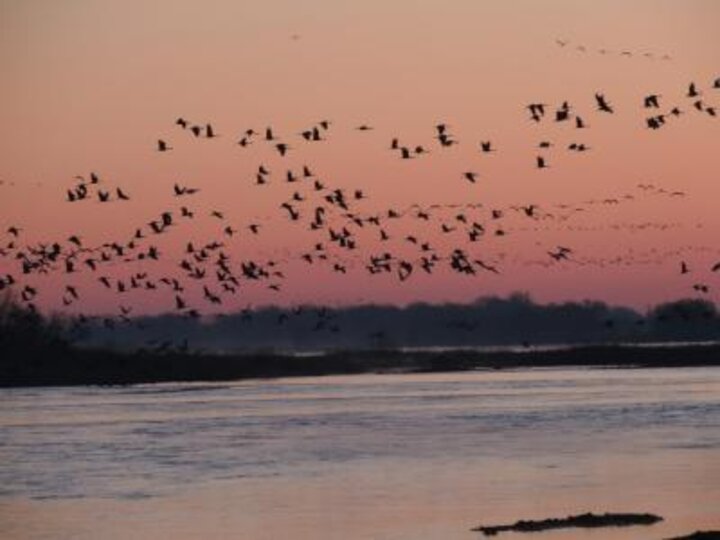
602	103
537	111
652	101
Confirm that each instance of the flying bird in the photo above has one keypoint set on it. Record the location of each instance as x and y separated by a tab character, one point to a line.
537	111
652	101
602	103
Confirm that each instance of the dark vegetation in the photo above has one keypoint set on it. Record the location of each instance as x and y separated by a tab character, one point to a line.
95	366
35	350
588	520
700	535
26	334
486	322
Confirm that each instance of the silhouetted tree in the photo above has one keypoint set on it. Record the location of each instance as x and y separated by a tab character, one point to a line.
26	334
689	319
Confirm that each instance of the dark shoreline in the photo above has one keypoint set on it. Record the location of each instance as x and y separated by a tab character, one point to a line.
69	367
581	521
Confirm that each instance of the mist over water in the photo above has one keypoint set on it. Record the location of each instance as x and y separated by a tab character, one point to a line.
419	456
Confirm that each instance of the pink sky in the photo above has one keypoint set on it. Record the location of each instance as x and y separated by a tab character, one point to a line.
91	85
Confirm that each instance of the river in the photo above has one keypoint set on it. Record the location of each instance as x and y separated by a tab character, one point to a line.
381	457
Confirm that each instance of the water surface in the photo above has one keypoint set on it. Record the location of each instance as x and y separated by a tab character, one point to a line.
395	457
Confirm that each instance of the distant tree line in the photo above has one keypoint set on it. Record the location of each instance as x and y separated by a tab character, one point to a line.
39	350
492	321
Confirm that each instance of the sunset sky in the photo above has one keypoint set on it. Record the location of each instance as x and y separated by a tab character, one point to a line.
91	85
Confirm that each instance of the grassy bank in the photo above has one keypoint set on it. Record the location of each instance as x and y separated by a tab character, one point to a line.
70	366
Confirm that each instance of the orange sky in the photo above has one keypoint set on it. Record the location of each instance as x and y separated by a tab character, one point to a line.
91	85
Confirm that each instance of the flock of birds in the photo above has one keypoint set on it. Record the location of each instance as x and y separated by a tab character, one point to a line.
625	53
395	241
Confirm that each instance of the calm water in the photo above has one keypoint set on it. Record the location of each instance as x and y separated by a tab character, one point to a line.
397	457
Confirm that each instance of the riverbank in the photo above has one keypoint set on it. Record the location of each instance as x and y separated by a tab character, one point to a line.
103	367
